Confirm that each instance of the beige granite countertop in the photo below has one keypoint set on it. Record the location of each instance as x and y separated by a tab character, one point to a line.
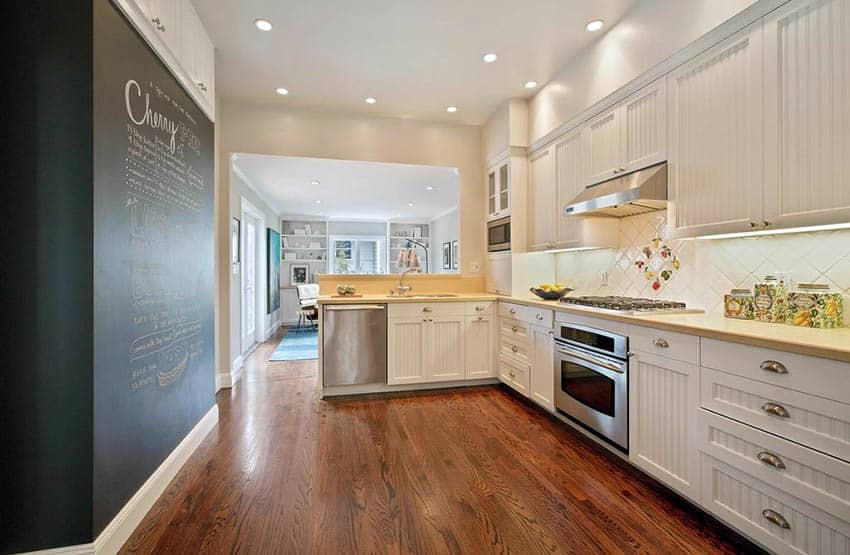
831	344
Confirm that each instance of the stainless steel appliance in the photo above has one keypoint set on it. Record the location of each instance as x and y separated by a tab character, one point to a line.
625	195
354	344
499	235
592	380
630	305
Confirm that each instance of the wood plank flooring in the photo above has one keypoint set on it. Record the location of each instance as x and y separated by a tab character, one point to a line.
464	471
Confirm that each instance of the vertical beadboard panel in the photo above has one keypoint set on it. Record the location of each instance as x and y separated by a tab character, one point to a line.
447	349
480	350
807	73
715	138
645	127
405	352
541	199
569	182
664	399
602	142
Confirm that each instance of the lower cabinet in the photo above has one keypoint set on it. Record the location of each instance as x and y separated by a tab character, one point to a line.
407	348
480	347
542	367
663	413
514	374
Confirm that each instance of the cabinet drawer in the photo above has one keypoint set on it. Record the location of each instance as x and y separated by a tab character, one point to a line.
804	473
412	310
780	522
528	314
816	376
514	329
813	421
514	374
480	308
677	346
519	350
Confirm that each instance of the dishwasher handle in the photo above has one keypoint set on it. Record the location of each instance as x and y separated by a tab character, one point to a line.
342	307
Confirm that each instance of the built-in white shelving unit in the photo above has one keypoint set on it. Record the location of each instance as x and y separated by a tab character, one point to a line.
303	242
399	235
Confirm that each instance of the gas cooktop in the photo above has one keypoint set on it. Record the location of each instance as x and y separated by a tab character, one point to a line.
630	305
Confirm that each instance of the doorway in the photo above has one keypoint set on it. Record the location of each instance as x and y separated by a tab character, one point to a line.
253	248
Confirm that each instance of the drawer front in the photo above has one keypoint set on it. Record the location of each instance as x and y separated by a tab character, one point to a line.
668	344
513	329
781	522
484	308
804	473
519	350
425	310
816	376
813	421
514	374
529	314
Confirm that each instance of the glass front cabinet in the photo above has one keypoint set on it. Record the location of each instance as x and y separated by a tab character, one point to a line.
499	190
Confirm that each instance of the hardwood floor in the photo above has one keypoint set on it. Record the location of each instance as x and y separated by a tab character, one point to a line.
463	471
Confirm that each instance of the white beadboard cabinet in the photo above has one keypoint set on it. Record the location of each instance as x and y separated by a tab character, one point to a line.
407	350
807	114
602	143
663	412
570	180
197	53
715	163
445	348
542	380
541	201
480	346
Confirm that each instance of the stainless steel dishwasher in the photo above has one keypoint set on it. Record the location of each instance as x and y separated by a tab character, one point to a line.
354	344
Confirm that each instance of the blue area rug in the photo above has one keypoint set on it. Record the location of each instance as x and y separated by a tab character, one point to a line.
297	345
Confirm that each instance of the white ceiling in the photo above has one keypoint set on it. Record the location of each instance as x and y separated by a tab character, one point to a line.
415	57
349	190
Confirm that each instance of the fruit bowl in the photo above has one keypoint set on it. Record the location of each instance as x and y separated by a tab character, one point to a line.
550	294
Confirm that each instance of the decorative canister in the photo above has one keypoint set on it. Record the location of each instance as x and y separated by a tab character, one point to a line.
738	304
770	300
813	305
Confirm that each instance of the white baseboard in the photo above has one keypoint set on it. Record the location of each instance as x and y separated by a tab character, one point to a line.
335	391
82	549
128	518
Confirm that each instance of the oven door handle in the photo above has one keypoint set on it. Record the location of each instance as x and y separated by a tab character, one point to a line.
593	360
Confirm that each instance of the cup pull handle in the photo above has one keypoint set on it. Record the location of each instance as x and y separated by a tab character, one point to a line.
427	309
660	342
775	518
539	316
770	459
776	410
773	366
512	310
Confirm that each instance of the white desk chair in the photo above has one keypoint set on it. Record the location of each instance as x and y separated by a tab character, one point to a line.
308	304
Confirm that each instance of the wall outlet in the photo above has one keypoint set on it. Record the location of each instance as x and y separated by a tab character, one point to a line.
475	267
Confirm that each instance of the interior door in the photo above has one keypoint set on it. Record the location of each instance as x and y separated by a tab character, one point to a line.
249	283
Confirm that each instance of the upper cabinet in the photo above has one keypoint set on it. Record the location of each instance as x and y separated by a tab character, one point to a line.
499	190
628	137
715	138
175	32
807	114
542	211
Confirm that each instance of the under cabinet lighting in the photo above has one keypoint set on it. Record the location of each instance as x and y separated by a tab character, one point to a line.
828	227
576	249
263	24
595	25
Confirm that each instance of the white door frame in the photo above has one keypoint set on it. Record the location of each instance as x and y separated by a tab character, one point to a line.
248	210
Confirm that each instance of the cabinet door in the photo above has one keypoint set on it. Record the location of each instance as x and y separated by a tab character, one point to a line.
541	200
446	353
602	146
644	127
492	193
807	114
406	350
505	188
715	138
570	180
189	23
542	367
165	18
206	66
663	414
480	349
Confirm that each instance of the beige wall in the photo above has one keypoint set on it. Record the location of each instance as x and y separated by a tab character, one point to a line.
274	129
648	33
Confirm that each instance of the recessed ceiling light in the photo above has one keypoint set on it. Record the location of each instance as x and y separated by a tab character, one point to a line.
281	91
490	58
318	202
410	204
263	24
429	188
451	109
315	182
530	84
595	25
370	100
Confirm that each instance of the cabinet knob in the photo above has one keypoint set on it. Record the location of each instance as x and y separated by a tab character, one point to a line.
156	20
512	310
514	349
754	224
775	409
202	87
511	374
481	317
773	366
770	459
766	223
480	308
514	328
539	316
427	309
661	343
775	518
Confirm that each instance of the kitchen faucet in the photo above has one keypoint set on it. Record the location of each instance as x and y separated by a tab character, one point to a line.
403	289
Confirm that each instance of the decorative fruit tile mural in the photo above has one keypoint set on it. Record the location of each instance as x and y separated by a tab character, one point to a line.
699	272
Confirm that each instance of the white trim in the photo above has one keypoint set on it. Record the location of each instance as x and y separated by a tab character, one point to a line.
335	391
739	21
128	518
81	549
275	326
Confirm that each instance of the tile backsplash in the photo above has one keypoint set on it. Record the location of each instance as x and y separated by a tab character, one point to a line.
707	268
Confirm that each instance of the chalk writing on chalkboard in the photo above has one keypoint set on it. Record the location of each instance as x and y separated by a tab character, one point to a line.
165	197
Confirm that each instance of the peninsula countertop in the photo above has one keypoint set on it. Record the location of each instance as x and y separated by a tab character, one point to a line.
825	343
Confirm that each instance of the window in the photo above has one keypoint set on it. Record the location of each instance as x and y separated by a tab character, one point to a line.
357	255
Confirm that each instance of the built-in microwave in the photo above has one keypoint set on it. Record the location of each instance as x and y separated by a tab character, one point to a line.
499	235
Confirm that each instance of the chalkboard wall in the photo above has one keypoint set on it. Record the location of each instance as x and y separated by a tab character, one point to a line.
153	263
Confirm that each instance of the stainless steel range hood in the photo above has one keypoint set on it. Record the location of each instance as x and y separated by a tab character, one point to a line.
635	193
